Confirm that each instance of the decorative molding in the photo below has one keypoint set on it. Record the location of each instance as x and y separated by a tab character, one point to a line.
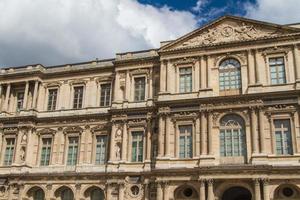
73	129
224	33
46	131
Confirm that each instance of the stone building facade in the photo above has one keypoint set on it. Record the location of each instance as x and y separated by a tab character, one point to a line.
213	115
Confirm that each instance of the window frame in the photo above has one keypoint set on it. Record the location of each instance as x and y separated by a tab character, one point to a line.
242	137
57	98
142	132
145	87
179	78
17	92
282	116
285	66
47	136
95	143
100	93
73	96
67	149
5	138
222	70
186	156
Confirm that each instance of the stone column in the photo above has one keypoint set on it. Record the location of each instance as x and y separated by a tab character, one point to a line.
7	95
257	72
296	62
150	85
202	190
161	136
121	191
254	135
146	190
48	192
124	141
35	94
210	190
251	68
108	191
197	143
257	189
127	86
159	192
169	77
203	66
117	91
261	131
26	95
1	91
77	191
163	76
166	191
167	136
209	133
112	143
266	189
203	132
148	142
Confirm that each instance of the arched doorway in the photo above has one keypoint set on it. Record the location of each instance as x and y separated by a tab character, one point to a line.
94	193
237	193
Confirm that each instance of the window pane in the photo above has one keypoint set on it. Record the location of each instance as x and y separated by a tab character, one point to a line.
52	98
185	141
283	137
105	94
137	146
139	89
9	151
46	151
72	151
78	97
229	75
277	70
101	146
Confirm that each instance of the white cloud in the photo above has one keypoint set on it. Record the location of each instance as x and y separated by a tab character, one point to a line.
60	31
277	11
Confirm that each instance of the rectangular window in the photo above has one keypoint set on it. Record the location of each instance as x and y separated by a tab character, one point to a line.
52	97
105	94
185	79
72	151
20	100
185	141
277	70
283	137
9	151
78	97
46	151
139	89
137	146
101	149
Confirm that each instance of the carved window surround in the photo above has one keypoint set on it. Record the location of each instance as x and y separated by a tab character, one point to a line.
177	124
286	115
45	133
69	132
74	84
184	63
129	147
8	133
268	56
99	130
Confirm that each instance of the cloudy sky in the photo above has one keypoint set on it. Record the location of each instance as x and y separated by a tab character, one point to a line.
54	32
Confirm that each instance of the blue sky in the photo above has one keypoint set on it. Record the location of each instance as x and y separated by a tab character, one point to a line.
54	32
213	8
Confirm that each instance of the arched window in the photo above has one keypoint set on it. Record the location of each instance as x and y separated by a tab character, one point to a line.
232	136
230	75
67	194
97	194
39	195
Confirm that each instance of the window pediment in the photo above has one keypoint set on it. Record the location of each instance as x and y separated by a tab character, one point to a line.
46	131
73	130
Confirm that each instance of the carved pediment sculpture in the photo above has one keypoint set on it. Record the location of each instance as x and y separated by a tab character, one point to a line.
228	29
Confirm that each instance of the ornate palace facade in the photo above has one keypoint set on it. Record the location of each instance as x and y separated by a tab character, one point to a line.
213	115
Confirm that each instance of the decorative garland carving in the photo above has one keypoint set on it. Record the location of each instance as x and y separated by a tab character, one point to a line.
73	129
46	131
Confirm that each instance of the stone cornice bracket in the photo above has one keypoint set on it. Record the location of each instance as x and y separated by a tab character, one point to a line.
163	111
73	129
46	131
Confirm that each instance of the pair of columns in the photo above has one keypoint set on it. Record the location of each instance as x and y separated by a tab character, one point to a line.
5	104
257	129
265	195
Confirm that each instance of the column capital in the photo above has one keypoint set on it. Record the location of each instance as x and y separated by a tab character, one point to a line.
265	181
210	181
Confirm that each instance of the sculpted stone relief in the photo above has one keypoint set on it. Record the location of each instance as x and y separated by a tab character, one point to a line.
228	33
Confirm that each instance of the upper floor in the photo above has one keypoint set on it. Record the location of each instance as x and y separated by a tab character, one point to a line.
228	57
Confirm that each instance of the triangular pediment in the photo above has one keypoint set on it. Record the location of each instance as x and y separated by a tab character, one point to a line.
229	29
